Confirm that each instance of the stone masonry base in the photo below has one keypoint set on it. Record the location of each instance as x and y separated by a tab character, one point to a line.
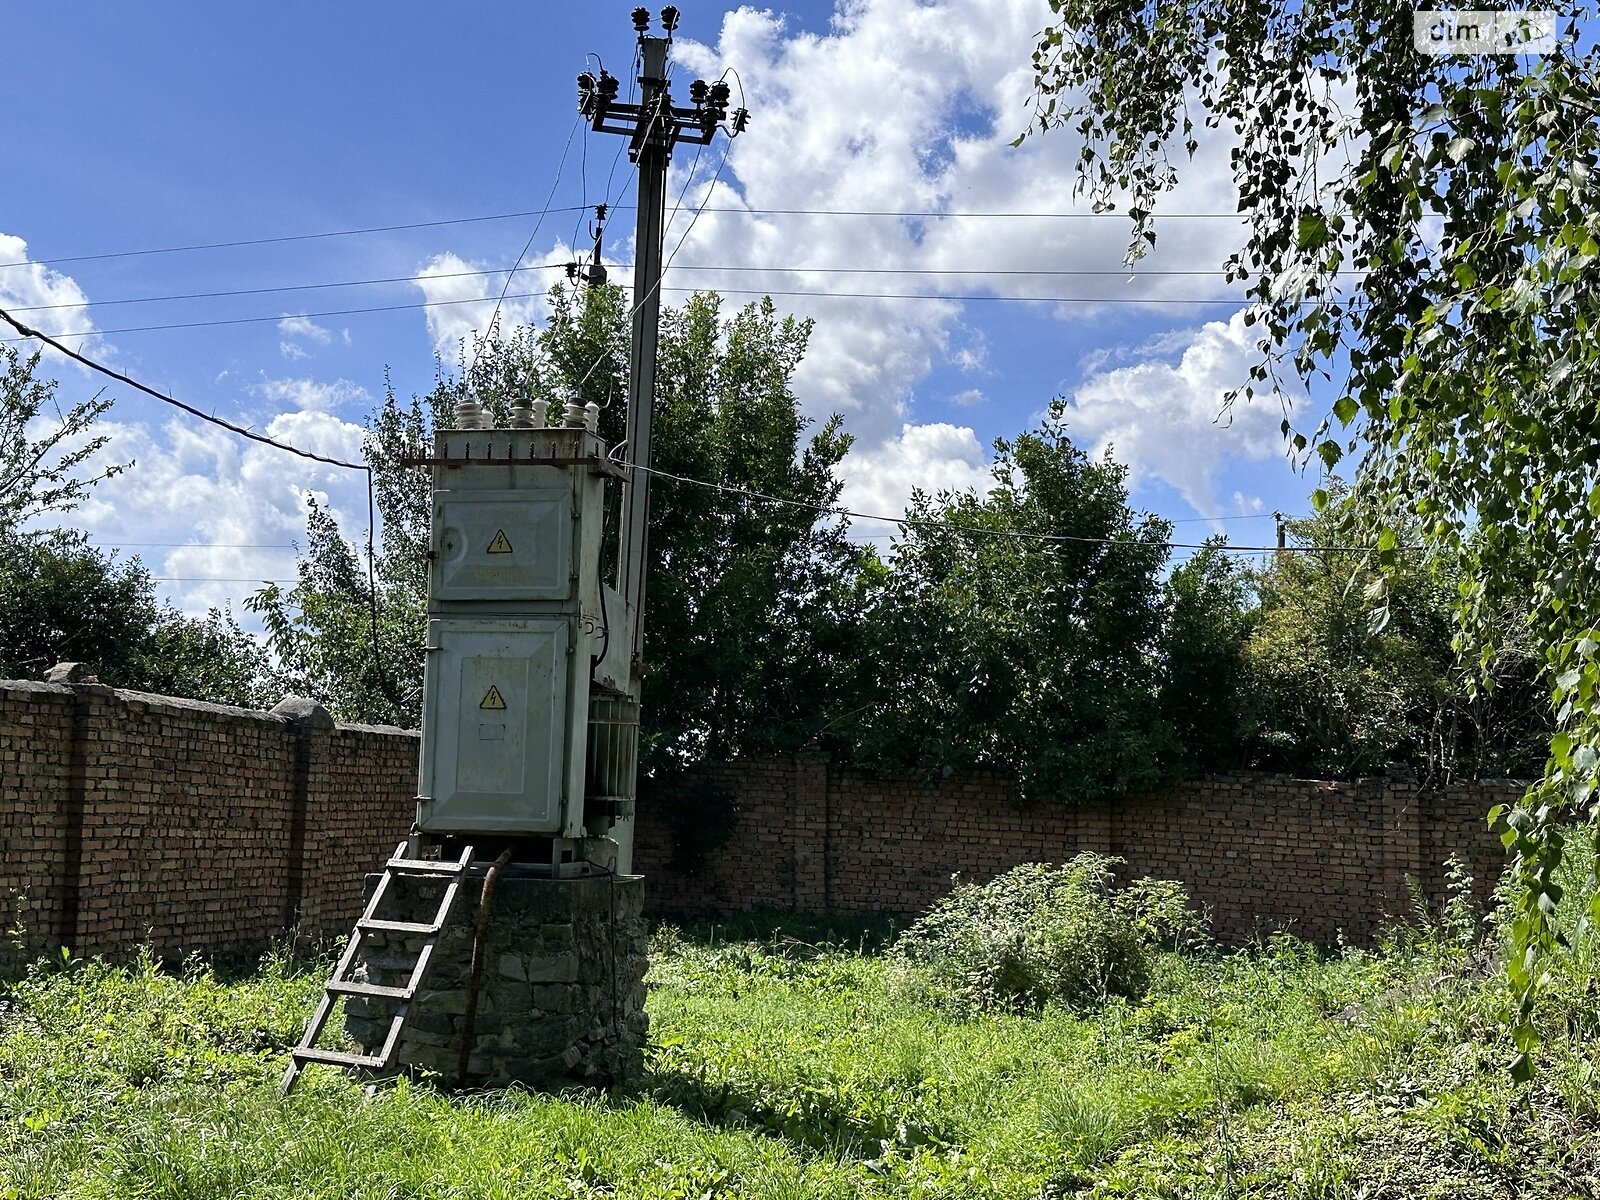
561	987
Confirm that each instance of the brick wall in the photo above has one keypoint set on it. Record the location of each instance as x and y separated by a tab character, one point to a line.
1259	852
128	819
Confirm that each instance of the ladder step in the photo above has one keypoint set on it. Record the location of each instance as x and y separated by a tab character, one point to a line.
425	866
348	988
339	1058
377	926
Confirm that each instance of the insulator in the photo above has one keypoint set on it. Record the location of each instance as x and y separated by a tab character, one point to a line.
741	120
697	92
641	19
669	18
521	415
608	86
586	82
572	270
719	94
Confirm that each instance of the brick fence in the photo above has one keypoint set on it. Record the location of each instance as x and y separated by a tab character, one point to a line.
128	819
1260	852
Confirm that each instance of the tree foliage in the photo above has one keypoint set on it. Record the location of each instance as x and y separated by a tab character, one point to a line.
1339	690
63	601
1424	233
1018	631
1206	692
39	467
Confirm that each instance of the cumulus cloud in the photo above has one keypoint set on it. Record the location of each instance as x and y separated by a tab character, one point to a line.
46	300
214	516
932	458
299	331
1166	419
947	84
463	297
313	394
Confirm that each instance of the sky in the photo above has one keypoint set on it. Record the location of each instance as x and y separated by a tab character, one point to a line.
139	130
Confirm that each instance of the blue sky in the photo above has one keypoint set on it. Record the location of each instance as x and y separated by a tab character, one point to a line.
140	127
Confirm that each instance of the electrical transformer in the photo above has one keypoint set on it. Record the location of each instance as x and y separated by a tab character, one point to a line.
529	728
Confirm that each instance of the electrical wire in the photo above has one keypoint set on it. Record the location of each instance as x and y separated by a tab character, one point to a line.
930	215
815	293
554	184
1011	534
263	439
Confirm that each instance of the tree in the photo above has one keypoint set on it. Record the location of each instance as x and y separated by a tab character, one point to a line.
1205	694
63	601
1337	693
1425	236
747	605
38	471
1018	631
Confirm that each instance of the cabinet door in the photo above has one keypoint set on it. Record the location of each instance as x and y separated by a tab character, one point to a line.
503	545
495	727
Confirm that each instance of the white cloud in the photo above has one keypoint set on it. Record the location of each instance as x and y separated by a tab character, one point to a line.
464	301
42	299
214	516
1166	420
299	329
301	326
313	395
933	458
970	398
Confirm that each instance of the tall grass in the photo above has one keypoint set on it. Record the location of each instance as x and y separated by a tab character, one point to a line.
787	1066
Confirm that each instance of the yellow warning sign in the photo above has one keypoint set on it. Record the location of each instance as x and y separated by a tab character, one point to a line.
492	698
500	544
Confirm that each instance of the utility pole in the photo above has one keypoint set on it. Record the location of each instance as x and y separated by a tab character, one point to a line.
653	127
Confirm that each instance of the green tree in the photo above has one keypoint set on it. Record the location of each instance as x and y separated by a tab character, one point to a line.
1019	631
1425	231
39	474
747	605
63	601
1340	688
1205	693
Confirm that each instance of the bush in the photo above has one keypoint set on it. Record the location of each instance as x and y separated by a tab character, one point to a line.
1040	934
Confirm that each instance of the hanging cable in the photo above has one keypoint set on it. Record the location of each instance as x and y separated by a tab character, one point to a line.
372	583
555	183
931	215
1011	534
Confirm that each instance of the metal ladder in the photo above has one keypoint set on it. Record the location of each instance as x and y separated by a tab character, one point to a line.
339	985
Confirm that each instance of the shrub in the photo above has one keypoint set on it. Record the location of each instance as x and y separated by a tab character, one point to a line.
1040	934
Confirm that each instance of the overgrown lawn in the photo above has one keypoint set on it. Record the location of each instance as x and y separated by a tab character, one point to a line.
792	1068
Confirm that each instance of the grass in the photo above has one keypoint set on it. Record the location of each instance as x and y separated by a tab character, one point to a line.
785	1065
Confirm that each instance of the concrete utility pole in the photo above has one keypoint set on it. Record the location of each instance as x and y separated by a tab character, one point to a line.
653	127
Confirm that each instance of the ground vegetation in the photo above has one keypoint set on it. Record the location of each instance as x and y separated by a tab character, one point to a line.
785	1063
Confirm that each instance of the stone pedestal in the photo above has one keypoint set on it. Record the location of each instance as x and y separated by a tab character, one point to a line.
560	998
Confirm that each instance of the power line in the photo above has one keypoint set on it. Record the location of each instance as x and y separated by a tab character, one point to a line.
1033	272
1012	534
288	287
554	184
179	404
365	468
791	292
928	215
196	545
